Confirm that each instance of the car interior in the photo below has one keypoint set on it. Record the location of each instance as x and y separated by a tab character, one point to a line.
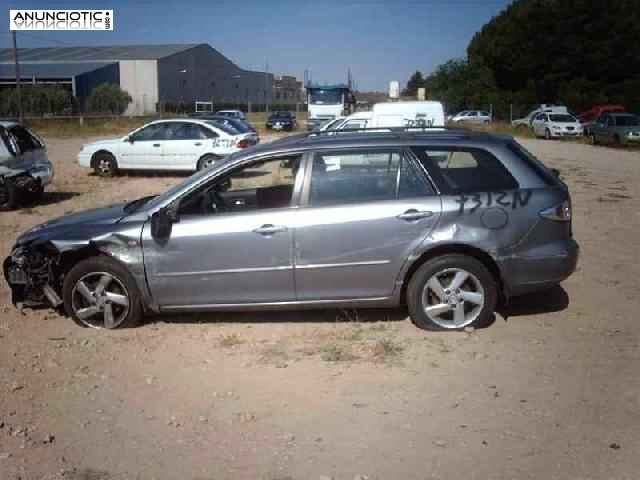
261	185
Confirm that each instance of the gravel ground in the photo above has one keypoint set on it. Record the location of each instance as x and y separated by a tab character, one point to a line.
550	390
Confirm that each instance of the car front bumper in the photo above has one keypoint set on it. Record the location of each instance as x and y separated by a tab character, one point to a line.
539	268
566	133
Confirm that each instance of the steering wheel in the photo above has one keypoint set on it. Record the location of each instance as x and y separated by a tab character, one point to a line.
212	202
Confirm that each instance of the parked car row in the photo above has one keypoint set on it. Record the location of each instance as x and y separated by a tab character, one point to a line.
610	124
445	221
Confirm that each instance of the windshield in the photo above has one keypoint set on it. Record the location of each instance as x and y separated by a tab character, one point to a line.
280	115
134	206
626	121
564	118
326	97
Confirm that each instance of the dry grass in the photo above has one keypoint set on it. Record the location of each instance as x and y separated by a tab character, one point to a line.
230	341
98	126
386	350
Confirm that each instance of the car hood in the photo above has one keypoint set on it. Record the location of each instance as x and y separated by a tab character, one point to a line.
76	225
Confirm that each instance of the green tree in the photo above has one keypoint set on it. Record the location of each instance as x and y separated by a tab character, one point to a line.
578	52
108	98
416	81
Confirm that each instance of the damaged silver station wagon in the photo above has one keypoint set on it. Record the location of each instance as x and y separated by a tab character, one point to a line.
446	221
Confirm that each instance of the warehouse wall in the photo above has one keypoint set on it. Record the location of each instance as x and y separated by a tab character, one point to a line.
86	82
202	73
140	79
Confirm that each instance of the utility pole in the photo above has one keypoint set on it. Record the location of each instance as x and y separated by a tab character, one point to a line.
266	90
15	56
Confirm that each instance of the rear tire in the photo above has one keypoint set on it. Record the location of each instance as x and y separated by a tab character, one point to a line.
105	165
116	304
547	134
616	140
466	294
206	161
591	138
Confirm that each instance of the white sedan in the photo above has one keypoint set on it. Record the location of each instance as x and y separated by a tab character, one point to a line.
179	144
552	125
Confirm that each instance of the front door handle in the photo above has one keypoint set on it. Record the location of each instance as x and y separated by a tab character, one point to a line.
197	144
157	144
413	214
269	229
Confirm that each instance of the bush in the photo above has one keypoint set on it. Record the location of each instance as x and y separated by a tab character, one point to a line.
108	98
37	100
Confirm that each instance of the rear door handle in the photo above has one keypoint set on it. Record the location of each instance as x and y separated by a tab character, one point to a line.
198	144
413	214
269	229
157	144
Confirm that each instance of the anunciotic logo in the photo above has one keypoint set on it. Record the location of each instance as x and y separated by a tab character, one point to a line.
61	20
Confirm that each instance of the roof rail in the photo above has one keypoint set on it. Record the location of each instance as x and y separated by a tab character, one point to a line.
394	130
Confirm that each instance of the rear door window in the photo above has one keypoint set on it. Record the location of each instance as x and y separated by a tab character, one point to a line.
457	170
364	176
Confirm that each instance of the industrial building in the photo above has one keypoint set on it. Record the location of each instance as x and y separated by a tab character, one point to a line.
289	90
151	74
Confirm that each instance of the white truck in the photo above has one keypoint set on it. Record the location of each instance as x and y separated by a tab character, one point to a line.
326	103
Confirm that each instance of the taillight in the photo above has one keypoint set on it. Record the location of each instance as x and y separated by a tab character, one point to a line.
244	143
559	213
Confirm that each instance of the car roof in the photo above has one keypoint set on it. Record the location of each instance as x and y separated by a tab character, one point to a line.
365	139
9	123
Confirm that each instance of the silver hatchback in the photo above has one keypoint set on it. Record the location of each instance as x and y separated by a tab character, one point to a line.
445	221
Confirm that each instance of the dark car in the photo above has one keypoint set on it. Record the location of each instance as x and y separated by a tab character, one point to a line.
446	222
281	120
615	129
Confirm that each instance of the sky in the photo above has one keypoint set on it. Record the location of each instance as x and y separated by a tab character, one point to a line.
378	40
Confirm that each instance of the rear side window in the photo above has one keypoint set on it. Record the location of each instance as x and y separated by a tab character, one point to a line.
532	162
457	170
364	176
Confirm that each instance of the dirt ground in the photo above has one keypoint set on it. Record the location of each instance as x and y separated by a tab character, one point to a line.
551	390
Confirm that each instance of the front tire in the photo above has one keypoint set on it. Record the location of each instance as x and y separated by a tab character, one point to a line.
100	293
9	195
105	165
451	292
591	138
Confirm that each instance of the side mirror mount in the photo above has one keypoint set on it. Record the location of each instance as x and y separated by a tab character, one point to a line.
129	139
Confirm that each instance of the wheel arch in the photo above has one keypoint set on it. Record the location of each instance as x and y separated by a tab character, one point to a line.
456	248
94	157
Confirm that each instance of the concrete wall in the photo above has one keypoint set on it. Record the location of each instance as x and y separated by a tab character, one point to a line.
140	79
202	73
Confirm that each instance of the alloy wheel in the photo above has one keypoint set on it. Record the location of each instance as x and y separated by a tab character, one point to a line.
100	300
453	298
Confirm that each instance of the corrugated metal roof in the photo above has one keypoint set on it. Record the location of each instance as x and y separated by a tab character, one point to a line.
94	54
49	70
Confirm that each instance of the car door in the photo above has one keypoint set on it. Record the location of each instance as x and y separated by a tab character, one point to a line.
144	148
365	211
599	128
239	254
186	143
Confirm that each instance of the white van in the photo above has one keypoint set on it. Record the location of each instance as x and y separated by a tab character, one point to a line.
396	114
407	114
